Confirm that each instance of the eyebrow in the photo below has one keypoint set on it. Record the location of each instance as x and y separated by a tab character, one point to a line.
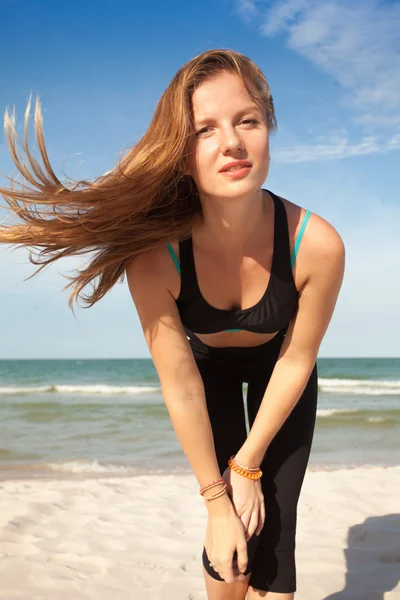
241	112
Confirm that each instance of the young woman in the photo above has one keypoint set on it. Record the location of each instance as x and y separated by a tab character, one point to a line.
232	283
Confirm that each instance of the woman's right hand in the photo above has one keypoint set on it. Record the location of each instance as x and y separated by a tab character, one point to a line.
225	534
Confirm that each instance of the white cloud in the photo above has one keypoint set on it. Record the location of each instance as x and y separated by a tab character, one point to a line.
282	14
357	43
246	9
377	120
336	147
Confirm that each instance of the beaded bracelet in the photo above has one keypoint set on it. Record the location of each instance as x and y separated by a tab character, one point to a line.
242	466
217	495
211	485
242	471
252	469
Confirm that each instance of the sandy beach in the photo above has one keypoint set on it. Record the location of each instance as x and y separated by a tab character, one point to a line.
142	537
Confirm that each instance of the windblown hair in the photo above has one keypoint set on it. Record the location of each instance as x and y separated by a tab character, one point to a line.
147	200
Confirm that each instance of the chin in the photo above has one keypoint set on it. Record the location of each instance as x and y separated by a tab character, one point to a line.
243	187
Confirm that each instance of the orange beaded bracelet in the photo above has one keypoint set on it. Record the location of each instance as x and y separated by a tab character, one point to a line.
252	469
250	474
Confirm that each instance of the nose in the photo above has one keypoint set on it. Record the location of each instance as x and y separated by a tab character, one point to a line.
231	140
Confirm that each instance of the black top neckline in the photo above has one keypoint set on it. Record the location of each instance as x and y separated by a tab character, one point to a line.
271	280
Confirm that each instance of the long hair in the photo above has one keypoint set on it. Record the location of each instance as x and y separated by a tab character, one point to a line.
146	200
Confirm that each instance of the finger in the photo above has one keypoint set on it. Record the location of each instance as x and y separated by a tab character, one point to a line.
261	520
214	566
226	572
263	515
236	571
254	521
242	557
245	518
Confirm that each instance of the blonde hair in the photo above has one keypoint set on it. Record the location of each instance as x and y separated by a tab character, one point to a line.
147	200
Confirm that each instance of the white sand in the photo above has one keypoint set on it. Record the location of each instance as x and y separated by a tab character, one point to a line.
141	538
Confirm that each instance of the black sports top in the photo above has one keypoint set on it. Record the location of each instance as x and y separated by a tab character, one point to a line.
272	313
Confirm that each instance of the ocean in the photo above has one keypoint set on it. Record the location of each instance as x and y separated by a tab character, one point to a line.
90	418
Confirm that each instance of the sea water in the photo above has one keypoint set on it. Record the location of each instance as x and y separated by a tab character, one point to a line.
86	418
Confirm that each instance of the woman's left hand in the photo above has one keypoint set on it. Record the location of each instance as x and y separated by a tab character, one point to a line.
248	500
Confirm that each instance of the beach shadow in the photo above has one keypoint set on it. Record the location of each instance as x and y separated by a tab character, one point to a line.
375	542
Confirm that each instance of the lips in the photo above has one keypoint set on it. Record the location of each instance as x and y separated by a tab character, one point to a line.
236	163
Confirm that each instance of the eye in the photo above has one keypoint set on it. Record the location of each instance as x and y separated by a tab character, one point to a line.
204	129
201	131
254	121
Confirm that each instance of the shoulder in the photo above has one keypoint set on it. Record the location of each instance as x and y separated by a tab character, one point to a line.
321	247
155	264
319	230
147	265
150	259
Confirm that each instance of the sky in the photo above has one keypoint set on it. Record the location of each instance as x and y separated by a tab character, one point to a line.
99	69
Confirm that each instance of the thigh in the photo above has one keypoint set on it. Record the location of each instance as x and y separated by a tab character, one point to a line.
284	466
285	461
224	398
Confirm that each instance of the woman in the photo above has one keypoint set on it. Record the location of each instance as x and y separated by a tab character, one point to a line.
224	295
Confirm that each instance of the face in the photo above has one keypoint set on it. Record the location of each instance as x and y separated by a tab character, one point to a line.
228	126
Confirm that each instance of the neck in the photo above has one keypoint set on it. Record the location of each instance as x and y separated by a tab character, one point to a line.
231	225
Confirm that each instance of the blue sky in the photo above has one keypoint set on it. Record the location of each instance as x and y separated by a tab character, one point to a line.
99	68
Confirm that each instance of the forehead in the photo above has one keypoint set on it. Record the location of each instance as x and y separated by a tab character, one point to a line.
221	95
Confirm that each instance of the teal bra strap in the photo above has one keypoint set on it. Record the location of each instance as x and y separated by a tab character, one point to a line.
297	244
171	251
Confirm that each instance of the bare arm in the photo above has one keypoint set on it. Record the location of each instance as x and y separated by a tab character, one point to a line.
326	255
181	383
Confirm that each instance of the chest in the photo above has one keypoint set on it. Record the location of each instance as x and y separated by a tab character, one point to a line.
230	283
